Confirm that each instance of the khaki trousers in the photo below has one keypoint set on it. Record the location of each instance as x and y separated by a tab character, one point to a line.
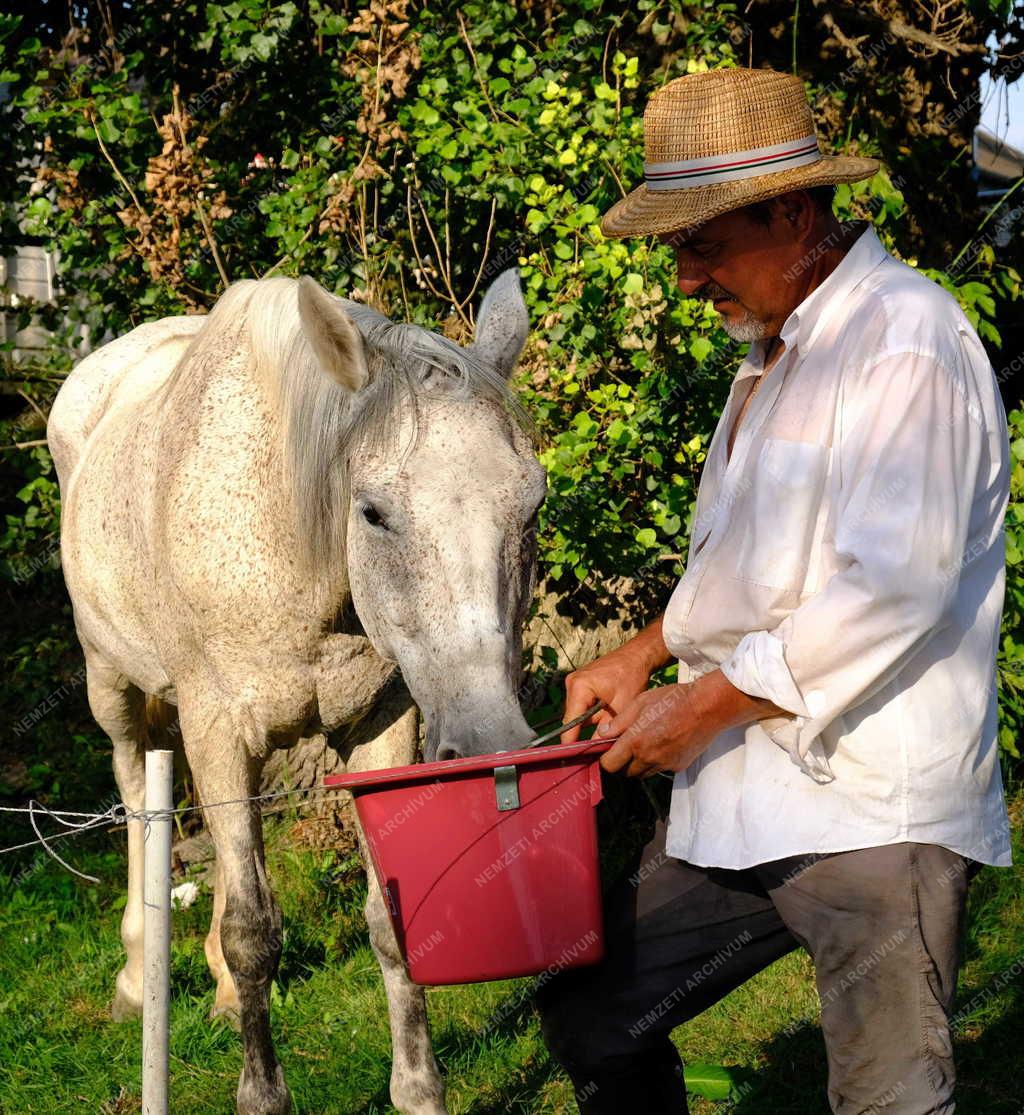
882	925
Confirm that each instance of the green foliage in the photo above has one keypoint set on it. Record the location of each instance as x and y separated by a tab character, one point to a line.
30	541
715	1082
408	158
1011	651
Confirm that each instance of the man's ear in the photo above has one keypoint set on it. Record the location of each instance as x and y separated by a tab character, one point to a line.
332	335
502	324
798	209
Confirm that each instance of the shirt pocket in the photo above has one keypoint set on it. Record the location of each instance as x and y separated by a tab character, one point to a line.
781	512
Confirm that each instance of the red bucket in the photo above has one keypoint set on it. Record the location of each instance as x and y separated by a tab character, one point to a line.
488	865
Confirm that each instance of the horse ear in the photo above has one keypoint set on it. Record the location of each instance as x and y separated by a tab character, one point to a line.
502	324
332	334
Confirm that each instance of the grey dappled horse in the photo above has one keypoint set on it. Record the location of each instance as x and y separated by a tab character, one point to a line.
267	513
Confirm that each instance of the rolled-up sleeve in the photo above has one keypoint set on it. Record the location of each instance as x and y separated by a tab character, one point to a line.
907	446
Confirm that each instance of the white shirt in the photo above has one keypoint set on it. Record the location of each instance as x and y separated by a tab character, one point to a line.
847	563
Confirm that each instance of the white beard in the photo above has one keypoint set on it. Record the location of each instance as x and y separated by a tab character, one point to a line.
747	328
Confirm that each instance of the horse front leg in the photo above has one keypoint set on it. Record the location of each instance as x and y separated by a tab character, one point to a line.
417	1087
221	757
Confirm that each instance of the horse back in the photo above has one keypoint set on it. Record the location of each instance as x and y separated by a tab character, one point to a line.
115	377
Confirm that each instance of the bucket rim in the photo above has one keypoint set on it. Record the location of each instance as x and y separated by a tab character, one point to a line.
446	770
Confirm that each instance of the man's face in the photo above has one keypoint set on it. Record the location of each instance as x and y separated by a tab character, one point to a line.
740	265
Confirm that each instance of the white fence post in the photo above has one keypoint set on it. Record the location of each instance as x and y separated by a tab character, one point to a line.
156	947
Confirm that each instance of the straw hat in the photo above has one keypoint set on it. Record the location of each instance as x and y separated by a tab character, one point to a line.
723	139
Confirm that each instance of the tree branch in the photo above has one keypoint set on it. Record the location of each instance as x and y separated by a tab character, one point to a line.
200	208
24	444
113	166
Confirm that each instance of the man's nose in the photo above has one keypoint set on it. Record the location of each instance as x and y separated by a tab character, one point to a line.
690	276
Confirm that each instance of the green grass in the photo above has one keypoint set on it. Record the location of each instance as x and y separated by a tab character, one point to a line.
60	1052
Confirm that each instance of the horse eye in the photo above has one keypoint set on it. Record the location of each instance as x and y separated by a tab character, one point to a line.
373	516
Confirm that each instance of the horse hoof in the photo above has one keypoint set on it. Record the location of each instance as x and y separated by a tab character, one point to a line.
125	1007
263	1097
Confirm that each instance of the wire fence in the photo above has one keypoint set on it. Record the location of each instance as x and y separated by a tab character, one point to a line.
76	823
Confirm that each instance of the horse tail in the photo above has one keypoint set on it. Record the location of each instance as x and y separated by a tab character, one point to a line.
160	722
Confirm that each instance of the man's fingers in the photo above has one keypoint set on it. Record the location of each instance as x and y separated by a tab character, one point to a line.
585	688
616	757
620	757
618	723
621	752
578	699
640	769
571	735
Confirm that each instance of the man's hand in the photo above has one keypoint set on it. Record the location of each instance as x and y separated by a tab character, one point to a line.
667	728
614	679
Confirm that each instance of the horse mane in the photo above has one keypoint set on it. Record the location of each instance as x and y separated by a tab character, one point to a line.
320	419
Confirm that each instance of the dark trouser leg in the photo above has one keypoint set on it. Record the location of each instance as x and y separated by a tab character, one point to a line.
883	928
678	938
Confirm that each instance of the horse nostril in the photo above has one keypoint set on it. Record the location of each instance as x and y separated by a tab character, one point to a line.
448	752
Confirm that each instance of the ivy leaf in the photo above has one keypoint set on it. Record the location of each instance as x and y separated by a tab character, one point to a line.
425	113
633	283
671	524
701	348
110	132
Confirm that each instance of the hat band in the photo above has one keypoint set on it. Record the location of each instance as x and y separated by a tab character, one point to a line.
731	166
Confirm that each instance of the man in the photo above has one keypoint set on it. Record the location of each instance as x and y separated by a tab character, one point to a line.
834	726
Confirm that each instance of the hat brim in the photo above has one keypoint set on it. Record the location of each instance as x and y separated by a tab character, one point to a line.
646	212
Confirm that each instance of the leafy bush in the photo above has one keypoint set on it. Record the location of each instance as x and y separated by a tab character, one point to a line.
1011	651
406	160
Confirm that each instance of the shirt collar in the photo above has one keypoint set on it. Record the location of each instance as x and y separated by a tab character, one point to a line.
806	321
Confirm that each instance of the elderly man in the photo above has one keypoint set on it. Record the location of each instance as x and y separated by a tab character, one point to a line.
834	726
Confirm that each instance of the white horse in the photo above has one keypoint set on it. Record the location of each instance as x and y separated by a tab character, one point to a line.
263	512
